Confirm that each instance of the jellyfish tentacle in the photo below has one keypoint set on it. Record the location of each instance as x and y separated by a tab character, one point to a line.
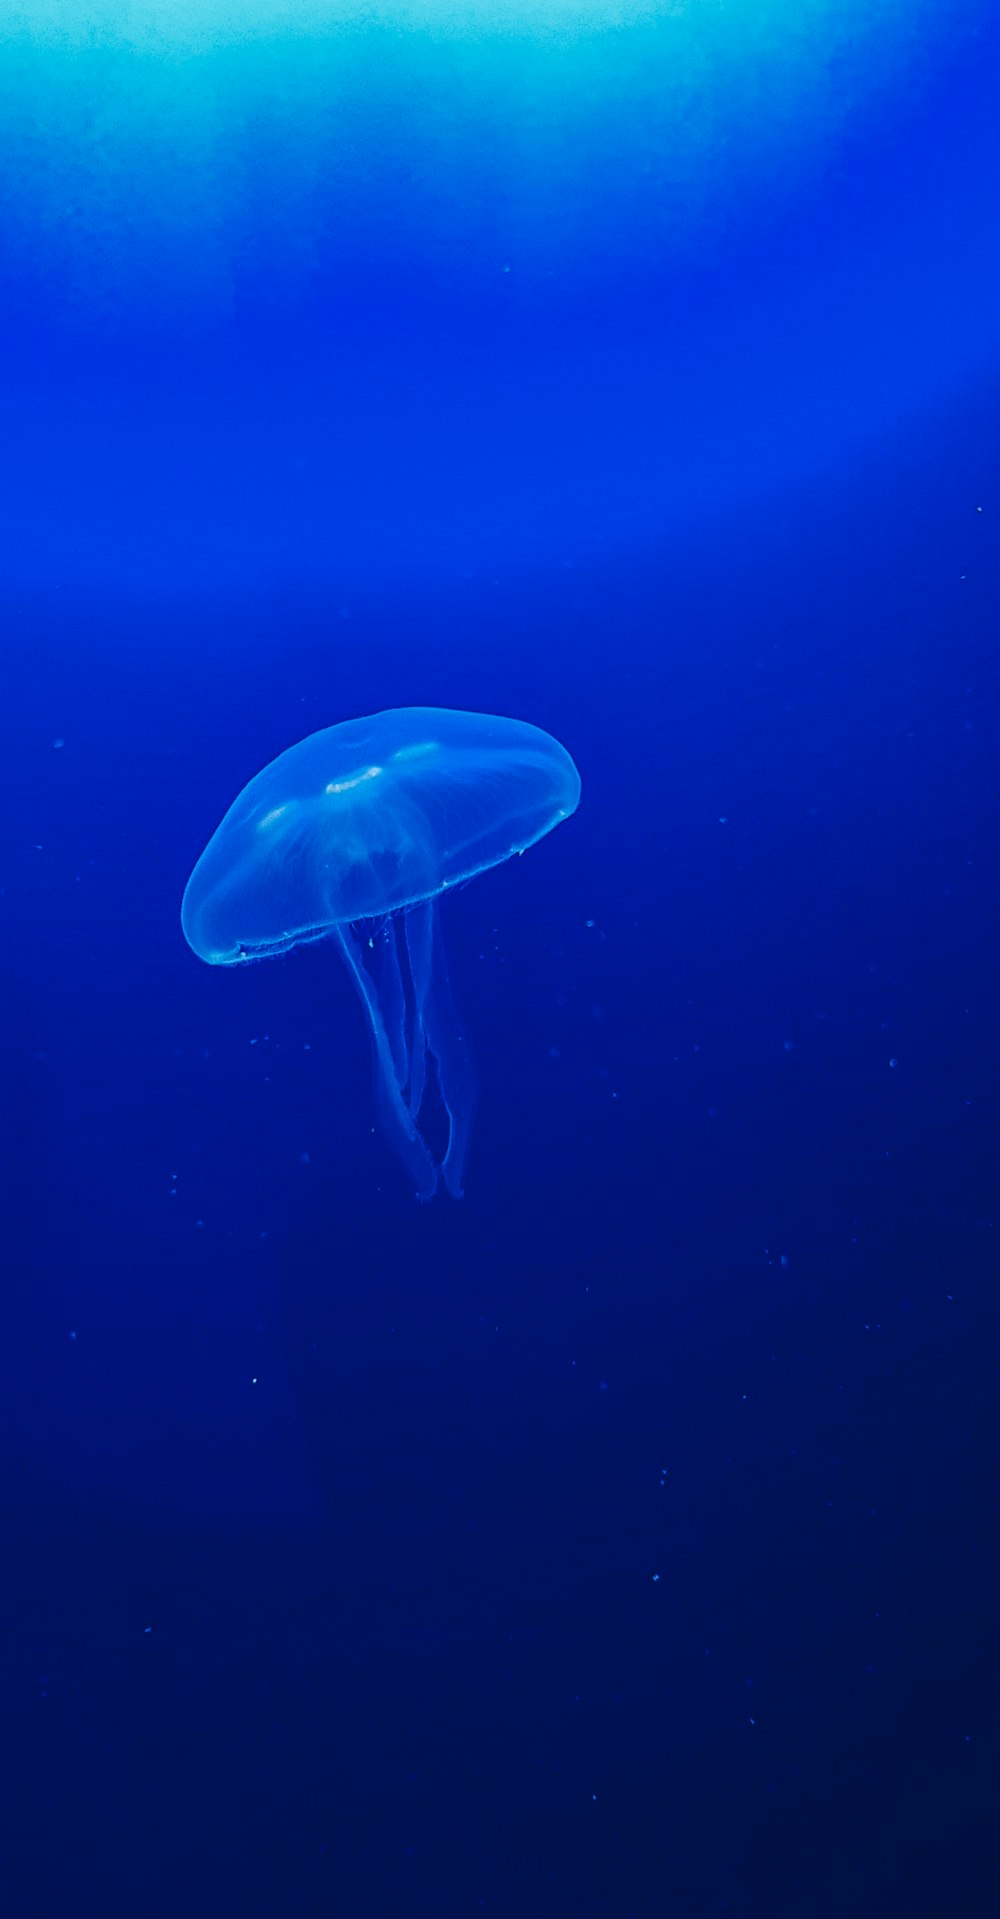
397	1121
445	1035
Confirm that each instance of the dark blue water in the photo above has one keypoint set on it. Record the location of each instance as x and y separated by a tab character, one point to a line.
616	1542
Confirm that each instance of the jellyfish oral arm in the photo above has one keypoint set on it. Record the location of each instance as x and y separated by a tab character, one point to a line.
397	1121
401	975
442	1033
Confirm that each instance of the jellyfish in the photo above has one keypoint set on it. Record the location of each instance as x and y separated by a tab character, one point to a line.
354	835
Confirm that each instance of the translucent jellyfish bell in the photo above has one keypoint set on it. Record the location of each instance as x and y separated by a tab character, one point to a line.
353	835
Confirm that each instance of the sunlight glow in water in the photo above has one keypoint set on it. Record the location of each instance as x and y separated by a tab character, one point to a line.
589	195
198	25
159	24
149	143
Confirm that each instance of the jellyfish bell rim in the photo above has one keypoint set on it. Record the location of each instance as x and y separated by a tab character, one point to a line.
215	900
244	952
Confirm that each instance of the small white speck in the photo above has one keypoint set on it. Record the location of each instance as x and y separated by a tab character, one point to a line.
58	743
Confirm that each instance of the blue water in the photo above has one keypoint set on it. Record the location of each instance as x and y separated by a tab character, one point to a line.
612	1543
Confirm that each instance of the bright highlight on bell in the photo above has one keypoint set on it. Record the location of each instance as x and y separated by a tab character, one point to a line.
352	835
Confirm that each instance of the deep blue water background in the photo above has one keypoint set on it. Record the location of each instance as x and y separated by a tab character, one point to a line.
618	1541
